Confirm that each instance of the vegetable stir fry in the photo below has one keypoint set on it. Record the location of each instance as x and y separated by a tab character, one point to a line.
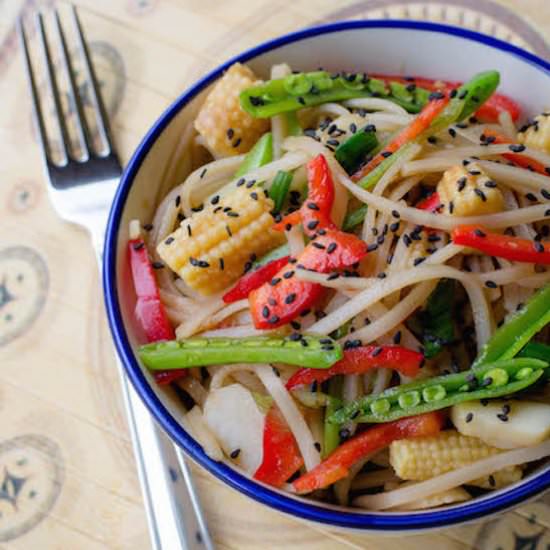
349	288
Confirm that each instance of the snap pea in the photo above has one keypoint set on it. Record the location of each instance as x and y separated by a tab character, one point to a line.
300	90
492	380
536	350
518	330
308	351
260	154
354	150
279	189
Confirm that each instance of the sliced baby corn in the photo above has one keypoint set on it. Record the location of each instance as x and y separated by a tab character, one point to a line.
537	133
468	191
211	249
226	128
426	457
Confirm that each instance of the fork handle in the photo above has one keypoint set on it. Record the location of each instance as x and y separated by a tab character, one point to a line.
174	515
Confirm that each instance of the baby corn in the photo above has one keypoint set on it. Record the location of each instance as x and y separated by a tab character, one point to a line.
226	128
468	191
426	457
211	249
537	133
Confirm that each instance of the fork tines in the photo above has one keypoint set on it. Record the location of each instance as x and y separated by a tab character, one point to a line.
82	129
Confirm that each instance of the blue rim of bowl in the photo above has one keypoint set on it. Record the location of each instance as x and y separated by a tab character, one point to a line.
287	504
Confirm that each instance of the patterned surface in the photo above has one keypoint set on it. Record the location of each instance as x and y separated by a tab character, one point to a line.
67	479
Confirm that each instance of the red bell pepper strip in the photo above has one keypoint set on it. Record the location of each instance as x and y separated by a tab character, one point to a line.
502	245
432	203
315	211
149	310
373	439
284	297
420	123
360	360
254	279
281	456
517	158
489	111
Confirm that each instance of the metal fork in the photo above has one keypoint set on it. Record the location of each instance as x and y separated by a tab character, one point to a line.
81	189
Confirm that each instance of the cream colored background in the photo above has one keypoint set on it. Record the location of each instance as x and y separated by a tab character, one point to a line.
59	379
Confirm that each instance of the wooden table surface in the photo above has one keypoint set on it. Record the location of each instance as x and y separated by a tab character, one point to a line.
67	477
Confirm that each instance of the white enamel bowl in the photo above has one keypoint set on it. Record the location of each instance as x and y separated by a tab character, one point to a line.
392	47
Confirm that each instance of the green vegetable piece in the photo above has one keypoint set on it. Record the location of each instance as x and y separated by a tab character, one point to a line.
297	84
274	254
293	127
536	350
372	178
380	406
523	373
400	92
498	377
260	154
436	319
434	393
279	189
353	219
512	336
331	438
378	87
297	91
353	152
476	92
199	352
409	399
442	391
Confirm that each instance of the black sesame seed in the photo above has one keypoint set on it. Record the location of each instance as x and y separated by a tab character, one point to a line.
539	247
295	325
407	240
189	231
275	281
232	214
386	154
469	417
376	352
479	233
178	201
331	248
290	298
490	184
516	148
397	337
461	183
312	224
418	261
503	417
234	454
312	206
432	140
453	93
372	247
381	275
222	264
394	227
295	336
451	207
197	208
237	142
545	194
254	195
369	128
274	320
452	132
395	214
157	265
333	276
531	197
228	229
436	95
148	227
492	481
230	133
480	194
490	284
169	240
318	245
434	238
288	274
317	445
